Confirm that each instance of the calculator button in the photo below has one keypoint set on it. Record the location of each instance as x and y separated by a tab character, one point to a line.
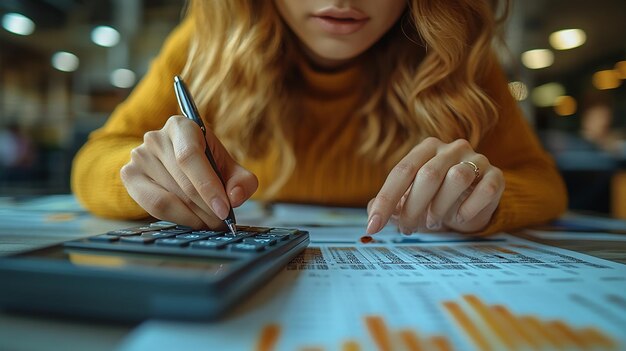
247	247
172	242
137	239
157	235
175	231
184	227
191	236
145	228
207	233
260	241
237	237
206	244
163	224
278	237
124	232
104	238
246	228
223	239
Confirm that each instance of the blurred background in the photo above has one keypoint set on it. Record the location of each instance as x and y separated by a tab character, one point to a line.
66	64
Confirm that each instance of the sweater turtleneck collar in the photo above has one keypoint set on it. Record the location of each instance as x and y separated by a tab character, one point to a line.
343	81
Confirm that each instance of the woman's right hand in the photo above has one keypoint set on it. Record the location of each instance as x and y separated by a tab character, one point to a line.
170	177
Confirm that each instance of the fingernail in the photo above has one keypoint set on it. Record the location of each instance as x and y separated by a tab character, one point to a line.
405	231
431	223
237	195
219	207
373	226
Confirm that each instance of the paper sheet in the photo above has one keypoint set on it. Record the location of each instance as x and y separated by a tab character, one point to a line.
448	294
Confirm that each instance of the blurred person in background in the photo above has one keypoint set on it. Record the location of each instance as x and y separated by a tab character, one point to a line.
597	126
17	153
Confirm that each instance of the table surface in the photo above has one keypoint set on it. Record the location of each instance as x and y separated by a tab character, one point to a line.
48	220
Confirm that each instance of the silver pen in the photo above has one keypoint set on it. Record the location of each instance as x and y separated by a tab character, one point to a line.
189	110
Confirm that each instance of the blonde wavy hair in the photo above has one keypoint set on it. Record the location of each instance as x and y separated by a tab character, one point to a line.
426	80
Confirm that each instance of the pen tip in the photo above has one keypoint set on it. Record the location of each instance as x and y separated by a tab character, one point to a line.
233	228
177	79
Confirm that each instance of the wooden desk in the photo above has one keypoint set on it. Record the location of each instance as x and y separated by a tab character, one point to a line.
608	250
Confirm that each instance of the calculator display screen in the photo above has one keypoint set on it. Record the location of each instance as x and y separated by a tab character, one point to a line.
124	260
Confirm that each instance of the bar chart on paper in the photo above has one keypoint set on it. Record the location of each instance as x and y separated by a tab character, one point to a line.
502	294
487	328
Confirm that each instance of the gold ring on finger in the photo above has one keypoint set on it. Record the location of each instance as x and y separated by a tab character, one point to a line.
474	167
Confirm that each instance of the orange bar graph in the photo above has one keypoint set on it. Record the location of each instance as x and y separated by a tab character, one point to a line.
466	324
569	334
379	332
383	338
440	343
488	327
350	346
502	329
410	340
521	332
546	336
491	321
598	338
268	338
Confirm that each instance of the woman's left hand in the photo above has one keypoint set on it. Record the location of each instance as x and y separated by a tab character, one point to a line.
438	187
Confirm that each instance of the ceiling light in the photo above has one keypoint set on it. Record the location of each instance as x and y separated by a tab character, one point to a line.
567	39
607	79
538	58
519	90
18	24
565	105
123	78
65	61
546	95
105	36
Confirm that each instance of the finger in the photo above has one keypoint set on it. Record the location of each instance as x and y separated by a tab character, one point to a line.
174	181
488	190
369	205
427	183
158	202
396	211
429	180
165	171
240	184
189	151
458	179
399	180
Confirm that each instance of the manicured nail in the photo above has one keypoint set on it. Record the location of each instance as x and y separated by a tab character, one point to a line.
431	223
219	207
237	195
406	231
373	226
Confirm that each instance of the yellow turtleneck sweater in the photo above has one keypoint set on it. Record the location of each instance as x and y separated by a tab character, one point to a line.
328	171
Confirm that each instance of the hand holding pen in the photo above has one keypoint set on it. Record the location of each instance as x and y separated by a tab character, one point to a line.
182	173
189	110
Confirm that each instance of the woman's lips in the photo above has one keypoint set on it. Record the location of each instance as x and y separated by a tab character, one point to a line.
340	21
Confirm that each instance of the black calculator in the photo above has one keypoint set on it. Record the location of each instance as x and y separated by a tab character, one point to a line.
158	270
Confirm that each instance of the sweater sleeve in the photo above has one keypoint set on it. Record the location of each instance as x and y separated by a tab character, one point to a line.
96	168
534	190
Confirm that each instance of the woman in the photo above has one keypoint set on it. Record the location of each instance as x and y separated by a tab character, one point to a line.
399	103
